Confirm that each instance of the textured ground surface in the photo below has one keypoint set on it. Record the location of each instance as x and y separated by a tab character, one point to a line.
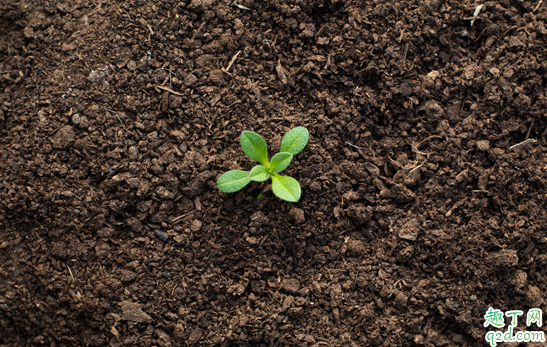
116	118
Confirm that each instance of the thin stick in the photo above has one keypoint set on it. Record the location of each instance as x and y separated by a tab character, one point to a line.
523	143
352	145
538	5
179	218
529	130
167	89
417	167
71	275
197	31
232	61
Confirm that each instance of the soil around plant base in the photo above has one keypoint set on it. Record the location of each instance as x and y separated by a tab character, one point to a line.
423	184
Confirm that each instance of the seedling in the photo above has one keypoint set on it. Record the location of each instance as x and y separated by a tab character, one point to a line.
285	187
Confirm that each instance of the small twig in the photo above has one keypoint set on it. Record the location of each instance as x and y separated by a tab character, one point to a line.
241	7
145	23
482	32
523	143
544	133
529	130
71	275
352	145
232	61
461	174
167	89
476	14
179	218
197	31
114	112
538	6
428	139
417	167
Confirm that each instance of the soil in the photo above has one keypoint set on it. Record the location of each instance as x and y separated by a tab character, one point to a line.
418	211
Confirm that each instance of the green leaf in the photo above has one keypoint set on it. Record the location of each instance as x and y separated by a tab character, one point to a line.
232	181
255	147
280	161
259	174
295	140
286	188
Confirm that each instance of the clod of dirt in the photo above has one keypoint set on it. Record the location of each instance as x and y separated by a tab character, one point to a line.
519	279
190	80
132	65
356	247
195	335
58	250
432	108
402	194
429	79
128	275
372	169
297	215
315	186
99	76
179	332
195	226
164	193
359	214
505	257
76	119
132	311
409	230
64	138
161	235
483	145
259	219
290	285
200	5
197	184
400	299
533	296
105	232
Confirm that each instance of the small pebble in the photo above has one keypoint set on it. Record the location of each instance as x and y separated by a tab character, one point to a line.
356	247
483	145
290	285
196	225
161	235
259	219
131	65
315	186
297	215
76	119
133	152
533	296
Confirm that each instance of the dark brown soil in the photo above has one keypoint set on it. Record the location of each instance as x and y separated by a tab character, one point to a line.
117	117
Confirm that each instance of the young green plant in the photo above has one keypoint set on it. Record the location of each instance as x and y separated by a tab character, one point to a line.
284	187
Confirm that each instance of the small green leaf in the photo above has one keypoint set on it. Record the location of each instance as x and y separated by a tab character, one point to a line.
259	174
295	140
280	161
232	181
255	147
286	188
